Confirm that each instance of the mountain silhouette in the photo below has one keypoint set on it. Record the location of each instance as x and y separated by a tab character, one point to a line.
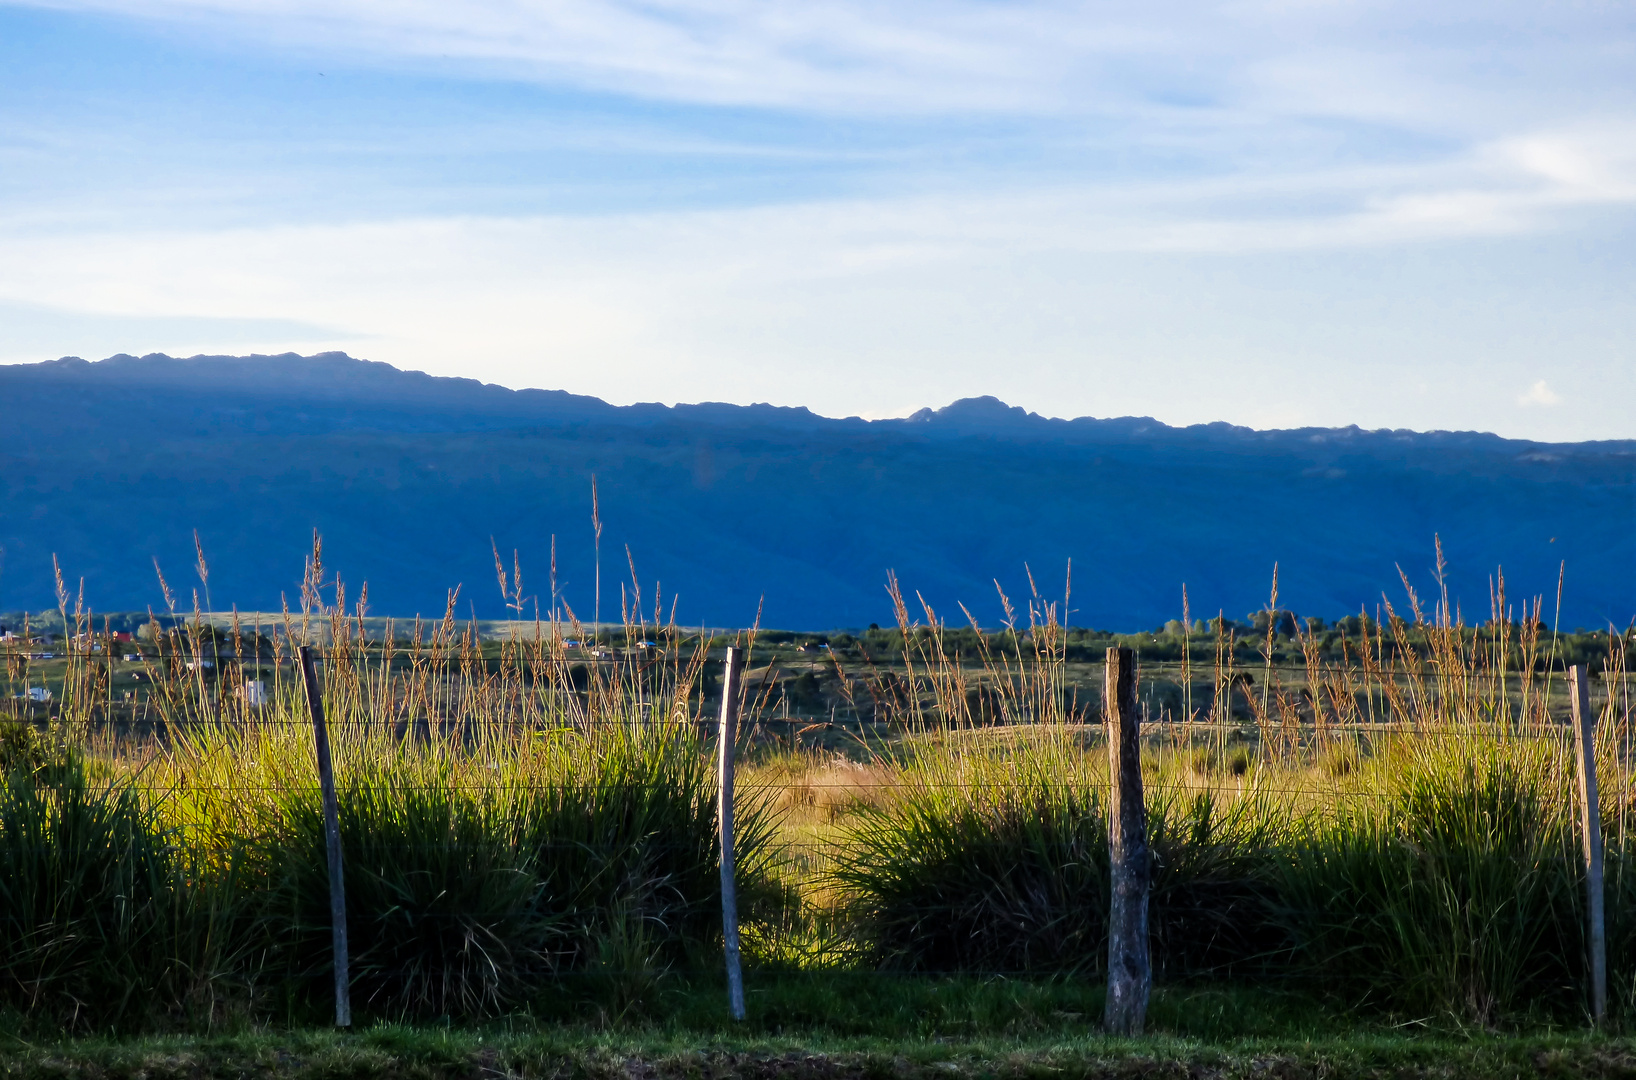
728	510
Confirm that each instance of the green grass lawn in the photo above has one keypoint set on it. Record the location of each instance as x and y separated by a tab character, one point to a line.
855	1025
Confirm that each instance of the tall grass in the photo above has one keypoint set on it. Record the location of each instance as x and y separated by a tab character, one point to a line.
988	857
528	834
994	857
1446	884
1436	877
1395	830
541	873
444	908
103	919
533	827
480	873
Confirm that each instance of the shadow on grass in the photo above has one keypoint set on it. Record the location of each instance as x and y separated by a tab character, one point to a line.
848	1026
876	1005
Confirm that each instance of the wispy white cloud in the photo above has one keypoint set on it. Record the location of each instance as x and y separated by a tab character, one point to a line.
1520	185
911	55
1375	60
1397	119
1516	185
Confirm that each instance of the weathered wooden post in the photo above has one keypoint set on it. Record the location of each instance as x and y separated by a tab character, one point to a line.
1130	976
332	842
1590	816
727	742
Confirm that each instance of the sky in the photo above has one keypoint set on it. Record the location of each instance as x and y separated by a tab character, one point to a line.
1274	213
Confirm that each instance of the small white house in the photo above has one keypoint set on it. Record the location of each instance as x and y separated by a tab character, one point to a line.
253	693
39	693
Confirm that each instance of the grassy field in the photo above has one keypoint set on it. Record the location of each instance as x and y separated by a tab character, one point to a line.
1364	856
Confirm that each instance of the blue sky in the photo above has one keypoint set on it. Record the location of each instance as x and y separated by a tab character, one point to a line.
1277	213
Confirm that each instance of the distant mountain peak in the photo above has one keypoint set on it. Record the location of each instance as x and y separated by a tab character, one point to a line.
987	411
371	393
415	481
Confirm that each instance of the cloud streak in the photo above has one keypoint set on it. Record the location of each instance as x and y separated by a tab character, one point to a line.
1398	61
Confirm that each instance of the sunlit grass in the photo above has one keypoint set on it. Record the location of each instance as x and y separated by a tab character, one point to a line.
535	832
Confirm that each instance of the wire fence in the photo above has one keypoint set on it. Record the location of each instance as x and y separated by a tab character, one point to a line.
1394	822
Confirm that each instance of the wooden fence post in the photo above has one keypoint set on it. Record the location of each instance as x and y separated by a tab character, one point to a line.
1590	816
1130	976
726	744
332	843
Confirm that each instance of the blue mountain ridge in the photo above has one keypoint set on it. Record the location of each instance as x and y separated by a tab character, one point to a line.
731	509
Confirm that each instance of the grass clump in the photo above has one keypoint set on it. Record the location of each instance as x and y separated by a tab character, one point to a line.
103	916
444	911
993	856
1431	877
988	858
1447	884
527	870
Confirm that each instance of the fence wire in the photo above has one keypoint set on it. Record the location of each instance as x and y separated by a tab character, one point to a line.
1392	823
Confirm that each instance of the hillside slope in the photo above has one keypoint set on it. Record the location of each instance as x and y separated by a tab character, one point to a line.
111	465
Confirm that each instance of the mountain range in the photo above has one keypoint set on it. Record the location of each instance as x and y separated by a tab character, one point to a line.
731	510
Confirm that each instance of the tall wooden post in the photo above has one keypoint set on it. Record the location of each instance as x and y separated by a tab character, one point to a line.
1130	976
332	843
1590	816
727	742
